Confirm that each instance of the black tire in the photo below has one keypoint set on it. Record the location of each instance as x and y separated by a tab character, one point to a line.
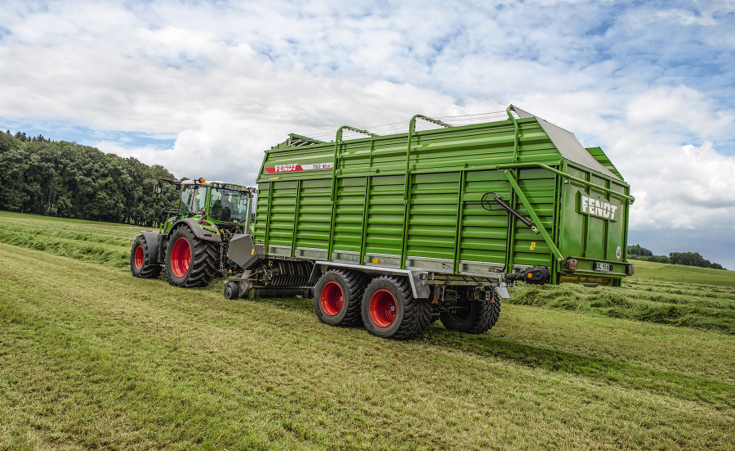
140	260
337	297
201	266
232	290
474	317
389	309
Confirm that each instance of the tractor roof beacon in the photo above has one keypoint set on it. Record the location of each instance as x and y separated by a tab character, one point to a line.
192	242
398	225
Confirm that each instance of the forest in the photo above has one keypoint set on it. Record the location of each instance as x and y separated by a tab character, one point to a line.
66	179
675	258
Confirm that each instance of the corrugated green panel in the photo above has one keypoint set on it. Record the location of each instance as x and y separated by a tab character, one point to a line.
539	186
349	214
315	210
388	155
283	207
484	232
432	223
261	211
385	215
600	156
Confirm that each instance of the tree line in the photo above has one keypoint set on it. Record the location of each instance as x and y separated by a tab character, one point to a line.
637	252
69	180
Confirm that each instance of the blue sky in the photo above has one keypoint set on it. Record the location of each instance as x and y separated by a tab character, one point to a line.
173	82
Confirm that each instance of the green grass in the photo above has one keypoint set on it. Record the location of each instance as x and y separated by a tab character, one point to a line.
655	294
685	274
97	242
91	357
672	303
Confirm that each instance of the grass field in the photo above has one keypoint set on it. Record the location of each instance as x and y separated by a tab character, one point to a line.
91	357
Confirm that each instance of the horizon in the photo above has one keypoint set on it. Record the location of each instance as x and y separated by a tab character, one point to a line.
203	88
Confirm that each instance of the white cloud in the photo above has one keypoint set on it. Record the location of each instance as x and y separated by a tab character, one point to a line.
680	105
227	80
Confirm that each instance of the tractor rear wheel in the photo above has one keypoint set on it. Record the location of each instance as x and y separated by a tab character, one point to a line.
472	317
141	264
190	261
389	309
337	297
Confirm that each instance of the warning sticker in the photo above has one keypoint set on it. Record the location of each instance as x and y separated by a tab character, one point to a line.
298	167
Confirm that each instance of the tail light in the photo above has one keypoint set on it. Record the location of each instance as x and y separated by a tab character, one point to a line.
630	270
572	263
205	223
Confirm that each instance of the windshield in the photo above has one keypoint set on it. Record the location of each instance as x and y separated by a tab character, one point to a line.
192	200
228	205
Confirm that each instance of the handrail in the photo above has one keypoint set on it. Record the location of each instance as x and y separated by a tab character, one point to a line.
570	177
515	133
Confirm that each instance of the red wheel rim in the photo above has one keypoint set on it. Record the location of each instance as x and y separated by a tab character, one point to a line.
181	257
139	257
331	298
383	308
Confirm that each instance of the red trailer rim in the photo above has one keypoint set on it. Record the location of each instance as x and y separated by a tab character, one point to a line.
181	257
331	298
383	308
139	257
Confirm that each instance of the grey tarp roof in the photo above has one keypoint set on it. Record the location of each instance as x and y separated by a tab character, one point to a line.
568	145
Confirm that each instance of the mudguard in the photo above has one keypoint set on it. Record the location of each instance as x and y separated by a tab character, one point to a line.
198	232
152	240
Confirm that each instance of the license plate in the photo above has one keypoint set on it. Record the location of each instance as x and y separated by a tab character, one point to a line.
602	267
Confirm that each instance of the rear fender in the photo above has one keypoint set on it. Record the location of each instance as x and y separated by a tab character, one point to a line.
152	241
198	232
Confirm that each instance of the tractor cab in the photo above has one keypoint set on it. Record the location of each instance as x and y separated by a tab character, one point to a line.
215	205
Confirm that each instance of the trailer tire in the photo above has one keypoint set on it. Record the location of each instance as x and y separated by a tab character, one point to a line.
190	261
481	317
140	260
337	297
389	309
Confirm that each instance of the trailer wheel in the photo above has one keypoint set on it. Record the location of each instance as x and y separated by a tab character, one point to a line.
389	309
190	262
473	317
140	260
337	297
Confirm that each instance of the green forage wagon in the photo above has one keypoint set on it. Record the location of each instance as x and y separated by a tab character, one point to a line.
398	225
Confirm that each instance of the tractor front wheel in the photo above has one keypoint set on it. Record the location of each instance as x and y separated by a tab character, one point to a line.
190	261
141	264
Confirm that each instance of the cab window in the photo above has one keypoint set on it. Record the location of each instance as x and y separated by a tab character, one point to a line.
193	200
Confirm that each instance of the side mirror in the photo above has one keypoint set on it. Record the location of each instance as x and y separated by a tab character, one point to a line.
157	188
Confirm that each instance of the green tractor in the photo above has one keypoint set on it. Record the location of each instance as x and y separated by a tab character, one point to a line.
192	244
